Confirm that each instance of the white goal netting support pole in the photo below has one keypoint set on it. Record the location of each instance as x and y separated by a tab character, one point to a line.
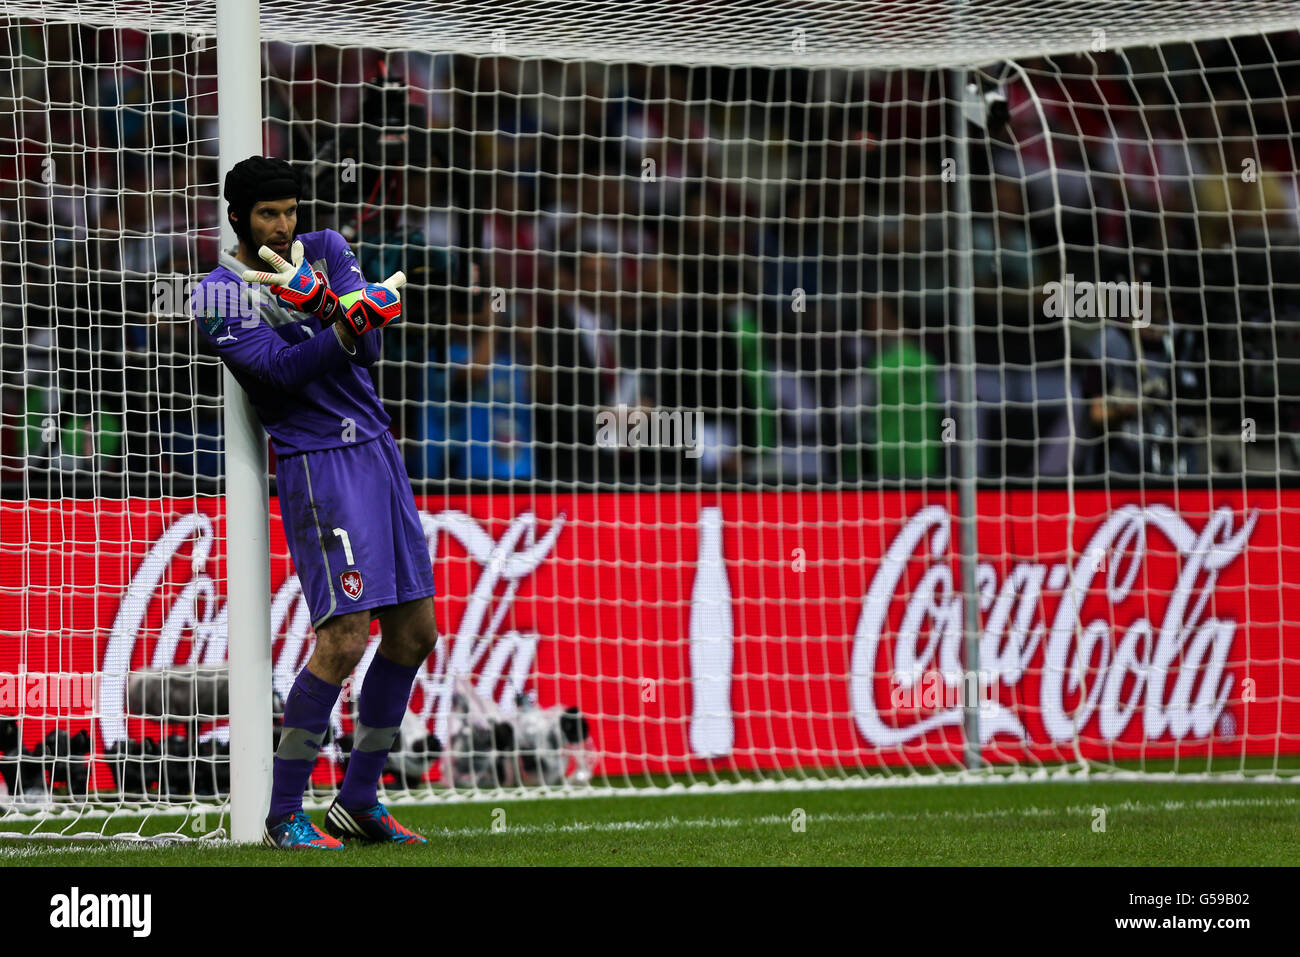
239	90
967	448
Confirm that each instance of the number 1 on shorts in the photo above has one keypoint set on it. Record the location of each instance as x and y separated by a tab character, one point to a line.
342	533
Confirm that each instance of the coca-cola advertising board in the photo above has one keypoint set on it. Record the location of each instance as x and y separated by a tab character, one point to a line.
745	630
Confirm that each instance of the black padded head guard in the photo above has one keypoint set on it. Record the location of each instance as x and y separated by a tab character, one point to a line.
258	179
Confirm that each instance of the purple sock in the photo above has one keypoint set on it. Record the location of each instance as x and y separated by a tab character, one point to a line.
306	717
380	708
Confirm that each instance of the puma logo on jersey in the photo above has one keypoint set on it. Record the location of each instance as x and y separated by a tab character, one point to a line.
228	337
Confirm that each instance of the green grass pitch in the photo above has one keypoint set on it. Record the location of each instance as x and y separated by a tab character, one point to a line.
1048	823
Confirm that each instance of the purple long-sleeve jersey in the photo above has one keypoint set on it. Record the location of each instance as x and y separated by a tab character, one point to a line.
309	392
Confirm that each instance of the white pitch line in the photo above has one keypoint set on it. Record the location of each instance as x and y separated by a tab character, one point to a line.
669	823
662	824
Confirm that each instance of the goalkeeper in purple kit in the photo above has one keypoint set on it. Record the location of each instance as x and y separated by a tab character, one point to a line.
298	325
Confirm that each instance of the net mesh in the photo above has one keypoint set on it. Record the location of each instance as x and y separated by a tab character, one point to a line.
707	400
858	33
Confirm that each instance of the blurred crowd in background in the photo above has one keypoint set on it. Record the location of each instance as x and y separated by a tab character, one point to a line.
774	251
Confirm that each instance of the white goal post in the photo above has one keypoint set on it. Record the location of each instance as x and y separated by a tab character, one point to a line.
858	393
247	500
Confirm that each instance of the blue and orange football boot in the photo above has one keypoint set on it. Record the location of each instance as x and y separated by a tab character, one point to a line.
298	833
374	825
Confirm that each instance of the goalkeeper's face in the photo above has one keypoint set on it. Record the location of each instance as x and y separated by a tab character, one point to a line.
272	223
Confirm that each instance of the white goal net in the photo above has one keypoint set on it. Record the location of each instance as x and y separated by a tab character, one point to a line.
854	393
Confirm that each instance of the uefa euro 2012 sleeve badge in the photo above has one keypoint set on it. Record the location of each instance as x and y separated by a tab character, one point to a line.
213	321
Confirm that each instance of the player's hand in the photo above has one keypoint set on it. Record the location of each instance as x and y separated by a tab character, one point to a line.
378	304
295	284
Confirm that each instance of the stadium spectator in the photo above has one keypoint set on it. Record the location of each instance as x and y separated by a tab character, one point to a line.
183	394
917	239
665	143
477	420
607	220
890	407
586	358
429	211
510	233
1141	151
1242	198
1142	408
692	349
1020	378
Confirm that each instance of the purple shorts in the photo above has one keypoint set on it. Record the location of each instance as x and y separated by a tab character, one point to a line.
353	531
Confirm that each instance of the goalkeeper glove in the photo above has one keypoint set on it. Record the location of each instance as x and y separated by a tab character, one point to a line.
296	285
375	306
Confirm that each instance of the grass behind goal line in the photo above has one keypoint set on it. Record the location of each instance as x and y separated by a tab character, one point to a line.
1146	823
